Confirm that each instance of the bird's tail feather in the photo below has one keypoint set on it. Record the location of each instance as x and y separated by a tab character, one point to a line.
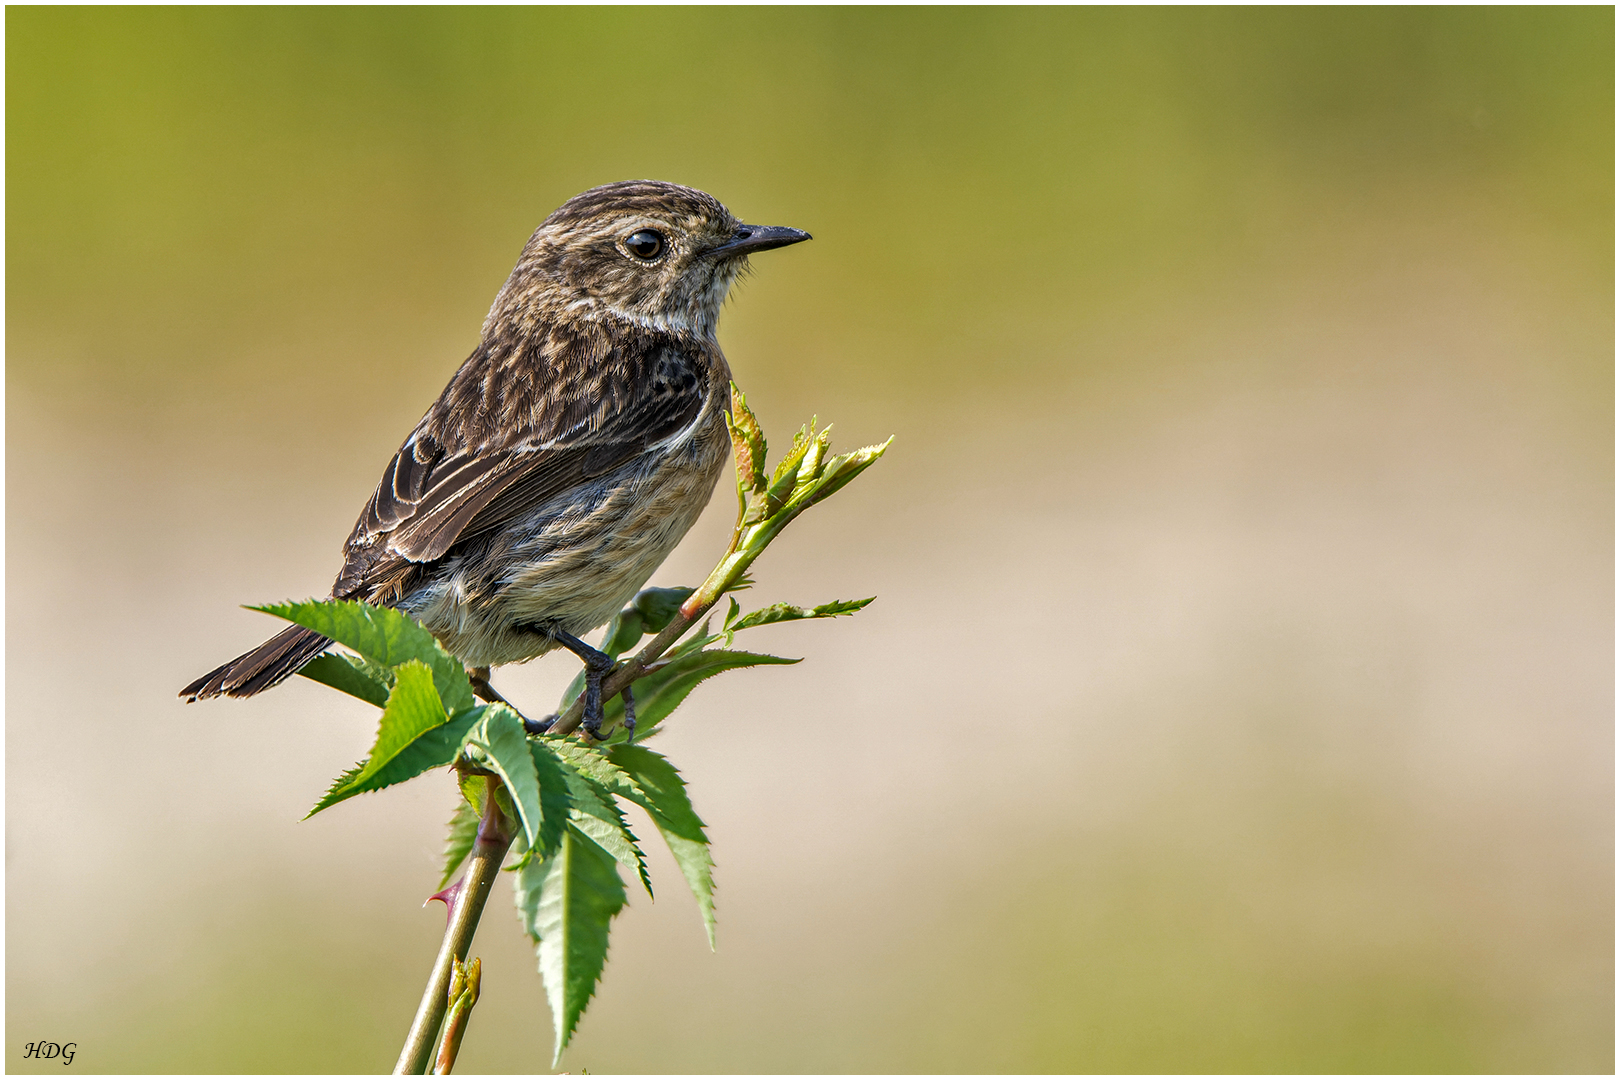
261	668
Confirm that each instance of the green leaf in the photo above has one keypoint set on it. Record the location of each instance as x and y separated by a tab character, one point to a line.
841	469
595	813
658	606
432	749
660	790
788	613
566	794
337	792
527	879
558	780
591	763
566	903
612	834
623	632
658	693
575	688
348	674
790	472
499	742
748	448
459	843
413	709
384	635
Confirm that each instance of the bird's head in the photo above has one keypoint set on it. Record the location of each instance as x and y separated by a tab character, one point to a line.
657	254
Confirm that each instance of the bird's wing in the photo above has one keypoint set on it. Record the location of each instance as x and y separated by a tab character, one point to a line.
504	438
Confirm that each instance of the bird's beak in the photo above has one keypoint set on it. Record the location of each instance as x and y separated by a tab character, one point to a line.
750	238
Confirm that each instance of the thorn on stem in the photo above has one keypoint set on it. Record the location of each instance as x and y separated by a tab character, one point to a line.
447	896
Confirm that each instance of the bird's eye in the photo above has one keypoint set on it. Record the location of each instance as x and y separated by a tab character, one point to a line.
645	244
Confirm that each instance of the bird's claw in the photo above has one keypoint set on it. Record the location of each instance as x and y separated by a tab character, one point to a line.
593	700
597	666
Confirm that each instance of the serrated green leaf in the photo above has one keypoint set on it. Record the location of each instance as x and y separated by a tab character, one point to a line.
433	749
378	672
659	789
337	792
413	709
841	470
498	741
459	843
609	779
557	780
699	639
341	672
527	879
660	692
612	833
566	903
748	447
788	613
384	635
589	763
786	476
594	812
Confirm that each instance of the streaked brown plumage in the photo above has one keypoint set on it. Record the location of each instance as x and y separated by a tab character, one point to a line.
571	451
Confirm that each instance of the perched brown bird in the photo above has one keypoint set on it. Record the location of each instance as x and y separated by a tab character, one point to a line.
568	455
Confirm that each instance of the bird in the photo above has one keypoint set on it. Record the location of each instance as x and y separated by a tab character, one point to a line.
569	453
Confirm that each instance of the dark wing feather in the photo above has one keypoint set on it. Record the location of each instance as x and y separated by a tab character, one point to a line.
484	455
426	527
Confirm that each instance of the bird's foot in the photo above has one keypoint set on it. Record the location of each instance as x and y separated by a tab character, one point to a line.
597	665
629	715
593	704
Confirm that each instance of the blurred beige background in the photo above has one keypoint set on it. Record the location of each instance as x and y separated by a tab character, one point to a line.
1238	695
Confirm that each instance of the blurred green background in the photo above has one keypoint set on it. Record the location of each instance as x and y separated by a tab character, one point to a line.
1239	691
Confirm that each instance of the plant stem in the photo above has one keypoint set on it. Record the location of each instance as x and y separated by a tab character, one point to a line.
494	837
